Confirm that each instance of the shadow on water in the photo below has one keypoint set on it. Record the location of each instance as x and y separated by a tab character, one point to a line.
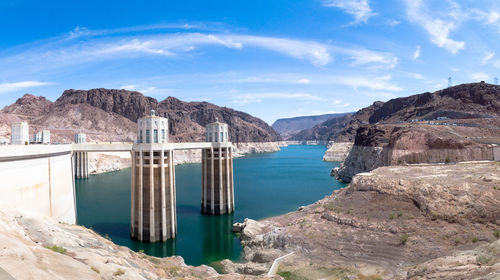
265	185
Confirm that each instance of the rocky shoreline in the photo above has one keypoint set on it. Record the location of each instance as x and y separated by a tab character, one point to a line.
114	161
37	247
397	222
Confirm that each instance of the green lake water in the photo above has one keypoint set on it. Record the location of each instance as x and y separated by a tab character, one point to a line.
266	185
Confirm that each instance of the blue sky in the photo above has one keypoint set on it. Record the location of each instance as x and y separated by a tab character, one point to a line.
272	59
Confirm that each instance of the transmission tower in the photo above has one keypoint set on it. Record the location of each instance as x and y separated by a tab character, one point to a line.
496	81
449	82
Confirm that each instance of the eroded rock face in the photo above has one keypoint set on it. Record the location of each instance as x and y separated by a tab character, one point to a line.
384	145
395	220
111	115
482	262
338	151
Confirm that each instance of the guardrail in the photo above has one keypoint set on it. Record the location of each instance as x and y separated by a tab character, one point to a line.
276	264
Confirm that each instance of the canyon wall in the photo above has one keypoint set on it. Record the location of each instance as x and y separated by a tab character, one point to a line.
111	115
383	145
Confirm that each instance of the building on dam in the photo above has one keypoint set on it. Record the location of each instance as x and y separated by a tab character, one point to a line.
20	134
42	137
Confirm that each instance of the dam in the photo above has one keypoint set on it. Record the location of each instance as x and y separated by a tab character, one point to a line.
38	179
50	190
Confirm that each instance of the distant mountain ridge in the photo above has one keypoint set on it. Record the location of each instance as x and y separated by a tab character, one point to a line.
465	101
111	115
290	126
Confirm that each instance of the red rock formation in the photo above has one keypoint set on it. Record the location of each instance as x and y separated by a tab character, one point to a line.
111	115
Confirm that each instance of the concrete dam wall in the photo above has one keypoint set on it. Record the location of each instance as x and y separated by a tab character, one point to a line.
38	179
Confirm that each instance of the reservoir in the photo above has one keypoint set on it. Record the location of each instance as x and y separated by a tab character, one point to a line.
265	185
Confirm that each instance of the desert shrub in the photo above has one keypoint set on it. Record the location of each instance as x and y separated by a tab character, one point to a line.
403	238
287	275
57	249
119	272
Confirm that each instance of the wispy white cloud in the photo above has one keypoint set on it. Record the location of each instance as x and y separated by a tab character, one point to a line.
274	79
373	83
416	76
11	87
480	76
393	22
139	89
439	29
487	57
314	52
81	31
364	57
247	98
167	45
54	55
416	54
359	9
490	17
304	81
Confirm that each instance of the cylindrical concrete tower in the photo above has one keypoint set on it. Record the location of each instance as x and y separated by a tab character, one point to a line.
153	214
217	195
81	159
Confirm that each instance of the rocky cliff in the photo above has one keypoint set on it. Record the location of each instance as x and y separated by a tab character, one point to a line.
290	126
397	222
466	101
111	115
337	151
382	145
35	247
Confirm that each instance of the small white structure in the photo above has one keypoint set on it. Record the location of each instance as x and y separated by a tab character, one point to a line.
41	137
152	129
80	138
37	137
217	132
20	134
4	141
45	136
